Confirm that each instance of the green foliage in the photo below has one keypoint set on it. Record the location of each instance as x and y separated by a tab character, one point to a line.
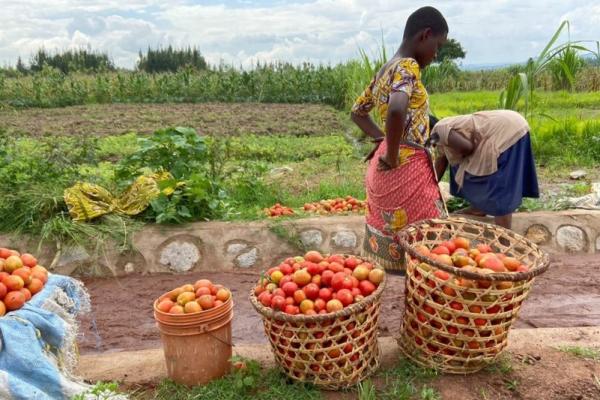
565	67
180	151
450	51
170	60
249	382
69	61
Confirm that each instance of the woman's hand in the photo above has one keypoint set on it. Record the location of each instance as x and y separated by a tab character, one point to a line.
387	164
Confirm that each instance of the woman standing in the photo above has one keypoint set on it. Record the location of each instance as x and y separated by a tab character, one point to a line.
491	161
400	181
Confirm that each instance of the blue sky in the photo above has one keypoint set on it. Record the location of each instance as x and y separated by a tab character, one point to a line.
244	31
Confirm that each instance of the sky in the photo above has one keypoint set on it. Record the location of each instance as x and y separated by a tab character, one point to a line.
241	32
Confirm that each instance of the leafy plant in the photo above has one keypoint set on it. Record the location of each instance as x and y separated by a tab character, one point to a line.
180	151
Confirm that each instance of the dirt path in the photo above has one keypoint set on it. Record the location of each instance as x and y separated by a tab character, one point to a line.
568	295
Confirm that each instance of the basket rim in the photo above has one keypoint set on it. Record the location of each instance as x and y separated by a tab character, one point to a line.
402	238
345	312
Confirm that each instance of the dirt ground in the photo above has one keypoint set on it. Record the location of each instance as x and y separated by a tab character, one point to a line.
543	373
206	118
567	295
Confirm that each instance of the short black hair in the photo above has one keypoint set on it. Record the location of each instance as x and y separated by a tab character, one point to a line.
423	18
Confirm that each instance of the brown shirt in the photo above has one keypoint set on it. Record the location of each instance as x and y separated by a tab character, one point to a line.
497	131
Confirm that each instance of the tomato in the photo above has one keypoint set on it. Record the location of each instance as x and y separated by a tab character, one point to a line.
14	300
302	277
289	288
361	273
326	277
336	267
316	279
325	294
313	268
165	305
312	291
356	292
289	301
292	310
284	280
299	296
345	296
286	269
278	303
440	250
265	299
306	305
366	287
450	245
279	292
334	305
28	260
320	304
341	281
202	291
351	263
354	281
376	275
443	275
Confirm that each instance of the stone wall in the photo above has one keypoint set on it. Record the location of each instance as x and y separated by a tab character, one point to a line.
230	246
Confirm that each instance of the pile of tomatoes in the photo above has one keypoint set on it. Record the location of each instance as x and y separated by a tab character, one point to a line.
317	284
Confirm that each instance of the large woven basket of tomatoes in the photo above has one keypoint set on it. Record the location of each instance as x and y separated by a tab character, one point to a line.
321	316
465	284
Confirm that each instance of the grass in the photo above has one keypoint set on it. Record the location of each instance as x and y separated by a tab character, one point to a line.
588	353
503	365
404	381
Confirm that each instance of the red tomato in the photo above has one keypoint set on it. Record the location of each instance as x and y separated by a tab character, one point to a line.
345	296
356	292
341	281
289	301
286	269
355	281
292	310
265	299
366	287
326	277
320	304
278	303
325	294
284	280
312	291
289	288
336	267
279	292
313	268
351	263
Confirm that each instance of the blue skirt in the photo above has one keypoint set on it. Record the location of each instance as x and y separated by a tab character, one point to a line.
502	192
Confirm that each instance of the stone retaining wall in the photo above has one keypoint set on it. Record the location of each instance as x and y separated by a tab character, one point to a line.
230	246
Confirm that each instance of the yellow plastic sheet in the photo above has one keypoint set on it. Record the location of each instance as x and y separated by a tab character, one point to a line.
87	201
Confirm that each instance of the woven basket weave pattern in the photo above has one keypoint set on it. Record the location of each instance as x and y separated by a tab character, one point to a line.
461	324
332	351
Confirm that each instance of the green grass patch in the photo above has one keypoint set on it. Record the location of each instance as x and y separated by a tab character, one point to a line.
588	353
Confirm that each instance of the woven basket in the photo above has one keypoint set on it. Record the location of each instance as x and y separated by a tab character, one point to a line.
332	351
461	324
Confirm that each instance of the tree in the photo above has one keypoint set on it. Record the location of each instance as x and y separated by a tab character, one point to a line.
20	66
450	51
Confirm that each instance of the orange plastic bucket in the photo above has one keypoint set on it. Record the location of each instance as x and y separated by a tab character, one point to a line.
197	346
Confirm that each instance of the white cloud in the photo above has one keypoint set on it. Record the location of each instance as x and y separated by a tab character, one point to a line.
242	32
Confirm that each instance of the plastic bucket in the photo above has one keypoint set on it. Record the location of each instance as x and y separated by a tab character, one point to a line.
197	346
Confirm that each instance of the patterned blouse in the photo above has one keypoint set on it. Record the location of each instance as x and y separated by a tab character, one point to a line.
403	75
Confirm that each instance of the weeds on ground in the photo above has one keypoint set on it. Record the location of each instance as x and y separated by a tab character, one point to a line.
587	353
